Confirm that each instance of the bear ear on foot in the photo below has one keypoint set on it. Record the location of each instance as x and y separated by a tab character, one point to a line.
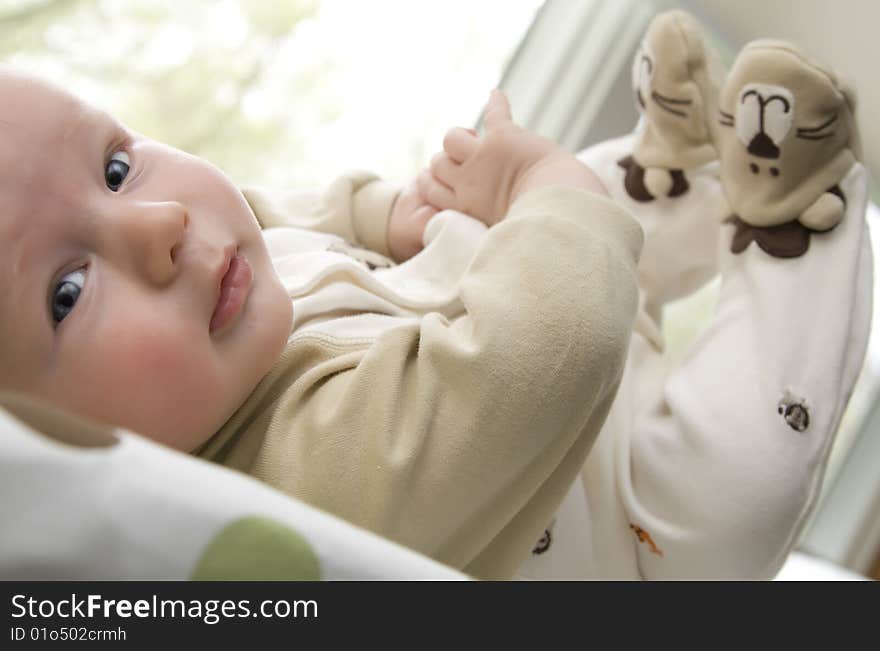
634	180
789	240
658	181
645	185
825	213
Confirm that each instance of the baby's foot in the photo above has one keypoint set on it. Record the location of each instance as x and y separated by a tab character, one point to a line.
675	83
669	176
786	138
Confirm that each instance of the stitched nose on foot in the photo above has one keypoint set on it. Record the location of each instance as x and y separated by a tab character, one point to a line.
761	145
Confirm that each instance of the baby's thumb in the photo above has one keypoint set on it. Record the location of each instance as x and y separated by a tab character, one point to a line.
497	110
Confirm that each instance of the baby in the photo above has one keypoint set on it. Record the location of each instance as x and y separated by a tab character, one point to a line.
143	295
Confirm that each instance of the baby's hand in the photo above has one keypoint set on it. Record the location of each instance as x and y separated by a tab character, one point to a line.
483	175
407	222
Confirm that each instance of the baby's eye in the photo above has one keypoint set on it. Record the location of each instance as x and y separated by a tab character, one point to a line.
116	170
65	294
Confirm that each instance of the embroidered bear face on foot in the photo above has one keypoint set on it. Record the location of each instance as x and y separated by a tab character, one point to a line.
675	84
786	137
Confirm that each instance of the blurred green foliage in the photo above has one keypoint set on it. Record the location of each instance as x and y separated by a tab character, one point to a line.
280	93
179	72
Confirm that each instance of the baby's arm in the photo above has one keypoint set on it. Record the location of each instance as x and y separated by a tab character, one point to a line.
358	207
459	438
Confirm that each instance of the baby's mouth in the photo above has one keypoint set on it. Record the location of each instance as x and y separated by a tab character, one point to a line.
235	287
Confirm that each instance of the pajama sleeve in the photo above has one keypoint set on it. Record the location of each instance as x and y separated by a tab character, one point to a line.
356	206
460	437
723	471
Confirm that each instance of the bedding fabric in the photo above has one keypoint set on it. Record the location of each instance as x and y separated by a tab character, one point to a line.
82	502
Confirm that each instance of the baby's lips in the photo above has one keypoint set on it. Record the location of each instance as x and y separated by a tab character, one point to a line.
234	290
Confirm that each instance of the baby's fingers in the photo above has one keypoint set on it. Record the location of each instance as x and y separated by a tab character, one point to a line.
460	144
444	169
434	191
497	110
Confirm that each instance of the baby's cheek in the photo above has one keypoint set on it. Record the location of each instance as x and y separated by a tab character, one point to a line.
155	381
174	381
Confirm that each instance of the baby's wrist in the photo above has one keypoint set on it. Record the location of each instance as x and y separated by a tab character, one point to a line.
558	169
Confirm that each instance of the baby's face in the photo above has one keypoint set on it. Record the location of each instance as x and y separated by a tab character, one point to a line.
113	252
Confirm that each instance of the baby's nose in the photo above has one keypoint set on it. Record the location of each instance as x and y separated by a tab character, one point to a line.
154	233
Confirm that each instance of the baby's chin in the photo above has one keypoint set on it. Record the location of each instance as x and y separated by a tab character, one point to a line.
273	312
279	314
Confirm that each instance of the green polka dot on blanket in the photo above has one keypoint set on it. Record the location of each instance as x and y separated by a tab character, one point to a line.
257	549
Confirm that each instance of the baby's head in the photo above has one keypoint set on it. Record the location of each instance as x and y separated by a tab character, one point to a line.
113	249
